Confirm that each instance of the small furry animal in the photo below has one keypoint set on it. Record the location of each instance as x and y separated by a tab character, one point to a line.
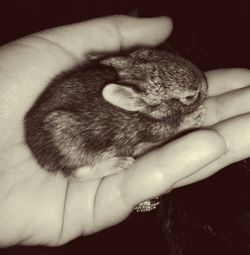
93	120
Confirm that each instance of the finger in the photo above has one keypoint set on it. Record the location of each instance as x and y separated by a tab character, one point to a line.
110	34
228	105
58	48
154	174
159	170
224	80
236	134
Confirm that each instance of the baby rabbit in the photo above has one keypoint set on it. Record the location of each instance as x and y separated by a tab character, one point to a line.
93	120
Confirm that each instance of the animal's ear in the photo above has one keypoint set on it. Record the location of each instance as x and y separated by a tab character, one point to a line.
116	62
123	97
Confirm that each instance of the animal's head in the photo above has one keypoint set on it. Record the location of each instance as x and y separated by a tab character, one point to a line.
156	83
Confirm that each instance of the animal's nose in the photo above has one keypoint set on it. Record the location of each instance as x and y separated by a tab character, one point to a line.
189	97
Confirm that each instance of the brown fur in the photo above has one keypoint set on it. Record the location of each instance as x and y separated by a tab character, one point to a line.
71	125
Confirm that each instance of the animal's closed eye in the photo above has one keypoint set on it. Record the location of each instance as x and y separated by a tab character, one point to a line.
190	97
155	106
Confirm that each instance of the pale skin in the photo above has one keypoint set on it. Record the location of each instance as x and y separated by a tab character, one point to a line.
39	208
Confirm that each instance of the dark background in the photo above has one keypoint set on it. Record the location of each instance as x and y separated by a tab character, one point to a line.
212	33
210	217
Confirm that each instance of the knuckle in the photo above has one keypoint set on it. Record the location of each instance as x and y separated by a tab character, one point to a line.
161	175
214	104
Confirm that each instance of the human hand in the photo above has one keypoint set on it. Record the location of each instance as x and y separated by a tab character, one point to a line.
35	206
39	208
228	113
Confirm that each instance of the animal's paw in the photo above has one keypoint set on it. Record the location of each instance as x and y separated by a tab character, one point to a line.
194	120
123	163
103	168
199	116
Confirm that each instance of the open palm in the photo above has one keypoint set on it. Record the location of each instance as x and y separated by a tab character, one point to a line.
39	208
